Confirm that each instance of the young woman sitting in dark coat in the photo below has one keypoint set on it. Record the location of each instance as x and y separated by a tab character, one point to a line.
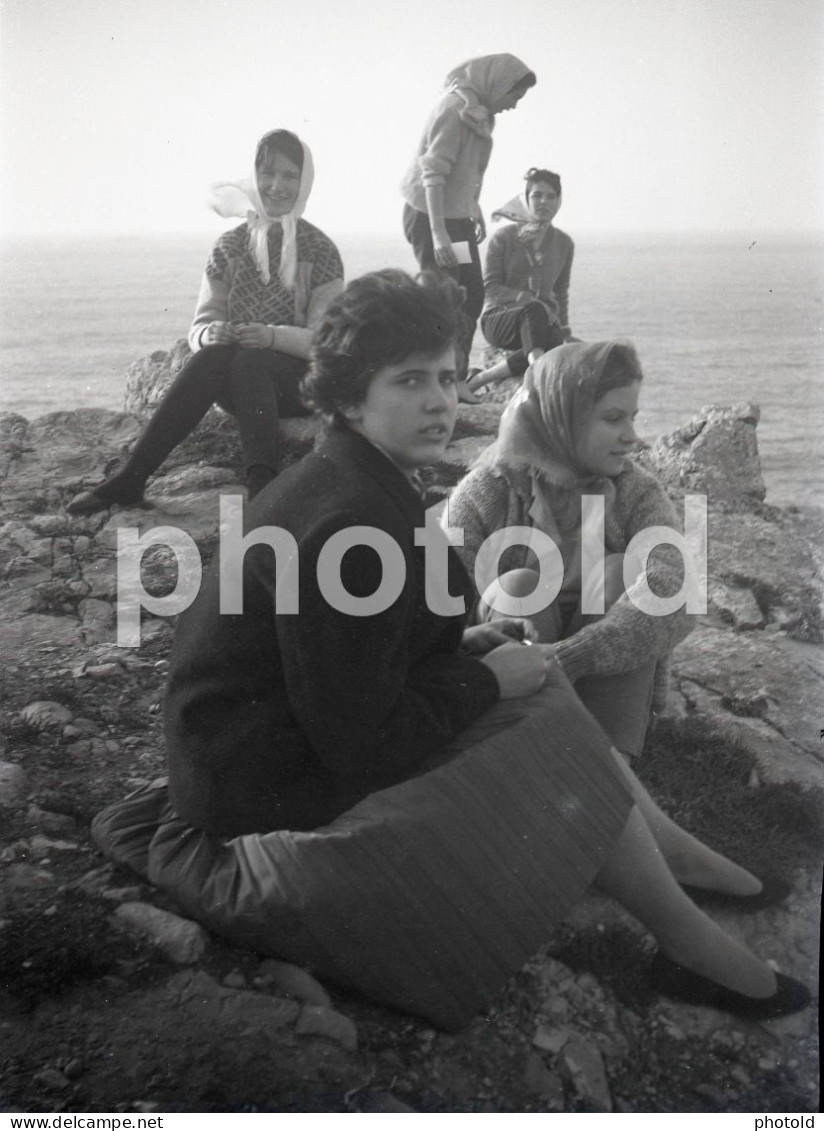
360	784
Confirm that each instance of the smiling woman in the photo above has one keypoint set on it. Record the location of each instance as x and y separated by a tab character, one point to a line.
266	285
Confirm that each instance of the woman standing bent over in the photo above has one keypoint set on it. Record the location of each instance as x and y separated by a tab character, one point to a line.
442	186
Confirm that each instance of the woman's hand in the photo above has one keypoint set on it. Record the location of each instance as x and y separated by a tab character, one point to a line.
480	228
255	336
519	670
444	251
219	334
482	638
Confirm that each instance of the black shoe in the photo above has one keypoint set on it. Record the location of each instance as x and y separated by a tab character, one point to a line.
89	502
774	890
671	980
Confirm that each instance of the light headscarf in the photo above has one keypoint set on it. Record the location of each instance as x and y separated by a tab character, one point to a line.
482	82
242	198
543	425
517	209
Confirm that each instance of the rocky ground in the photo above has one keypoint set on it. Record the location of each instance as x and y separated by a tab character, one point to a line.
111	1001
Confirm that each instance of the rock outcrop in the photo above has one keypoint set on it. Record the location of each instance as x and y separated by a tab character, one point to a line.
79	725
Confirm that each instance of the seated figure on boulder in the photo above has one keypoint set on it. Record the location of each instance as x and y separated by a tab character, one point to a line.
361	784
563	439
265	287
526	280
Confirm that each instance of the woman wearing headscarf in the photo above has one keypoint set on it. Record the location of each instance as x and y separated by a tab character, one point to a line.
566	435
442	216
526	280
266	285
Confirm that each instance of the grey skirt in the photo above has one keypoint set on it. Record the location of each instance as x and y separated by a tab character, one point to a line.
425	896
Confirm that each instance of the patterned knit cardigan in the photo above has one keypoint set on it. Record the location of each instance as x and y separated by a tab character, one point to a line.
625	637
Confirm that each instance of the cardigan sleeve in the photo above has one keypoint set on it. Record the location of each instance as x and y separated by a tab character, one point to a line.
213	298
626	637
370	712
561	289
445	136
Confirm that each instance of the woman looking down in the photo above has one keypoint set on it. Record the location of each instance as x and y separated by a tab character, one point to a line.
442	186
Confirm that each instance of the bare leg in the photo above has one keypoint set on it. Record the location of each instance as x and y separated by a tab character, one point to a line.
691	861
637	876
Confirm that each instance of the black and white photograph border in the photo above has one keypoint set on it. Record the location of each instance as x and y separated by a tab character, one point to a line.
687	137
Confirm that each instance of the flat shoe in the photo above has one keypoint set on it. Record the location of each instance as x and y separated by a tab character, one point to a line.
88	502
671	980
774	890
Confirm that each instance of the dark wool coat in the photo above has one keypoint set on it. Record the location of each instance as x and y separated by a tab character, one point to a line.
278	720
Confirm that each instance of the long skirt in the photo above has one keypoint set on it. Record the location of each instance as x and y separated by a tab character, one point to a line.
426	896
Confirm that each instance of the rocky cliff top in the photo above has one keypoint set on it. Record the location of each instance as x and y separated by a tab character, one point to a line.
79	725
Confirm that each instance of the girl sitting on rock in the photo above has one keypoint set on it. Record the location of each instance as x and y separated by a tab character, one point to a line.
566	435
526	280
361	784
266	285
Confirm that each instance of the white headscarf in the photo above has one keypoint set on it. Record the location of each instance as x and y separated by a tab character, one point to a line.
482	82
242	198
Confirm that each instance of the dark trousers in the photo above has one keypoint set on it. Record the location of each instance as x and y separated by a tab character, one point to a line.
257	386
418	232
521	328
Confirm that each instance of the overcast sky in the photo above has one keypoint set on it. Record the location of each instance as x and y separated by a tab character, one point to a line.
660	115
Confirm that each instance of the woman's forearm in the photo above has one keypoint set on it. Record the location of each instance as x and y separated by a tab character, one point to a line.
434	209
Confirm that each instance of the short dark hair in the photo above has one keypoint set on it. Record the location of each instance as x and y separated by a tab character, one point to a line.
380	319
533	175
279	141
621	368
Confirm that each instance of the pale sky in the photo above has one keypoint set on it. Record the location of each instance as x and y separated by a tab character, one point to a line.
660	115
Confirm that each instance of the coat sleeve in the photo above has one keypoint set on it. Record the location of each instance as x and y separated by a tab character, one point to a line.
626	637
369	711
561	289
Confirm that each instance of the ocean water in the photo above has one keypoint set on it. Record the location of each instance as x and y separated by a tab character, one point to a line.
715	320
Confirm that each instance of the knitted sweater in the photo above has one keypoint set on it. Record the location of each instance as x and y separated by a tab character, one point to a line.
514	273
625	637
449	154
233	291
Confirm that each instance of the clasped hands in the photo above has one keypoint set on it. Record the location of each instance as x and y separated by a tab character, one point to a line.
249	335
519	670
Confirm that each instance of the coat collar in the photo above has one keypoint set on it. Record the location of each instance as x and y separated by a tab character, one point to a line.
345	446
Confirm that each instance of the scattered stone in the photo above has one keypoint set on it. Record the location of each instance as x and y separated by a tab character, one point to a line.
13	784
48	822
317	1021
736	605
539	1079
73	1068
103	671
45	715
27	877
122	895
382	1102
585	1066
235	980
550	1040
292	981
42	845
52	1079
179	940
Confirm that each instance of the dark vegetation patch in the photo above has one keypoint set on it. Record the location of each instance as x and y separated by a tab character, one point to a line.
701	778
